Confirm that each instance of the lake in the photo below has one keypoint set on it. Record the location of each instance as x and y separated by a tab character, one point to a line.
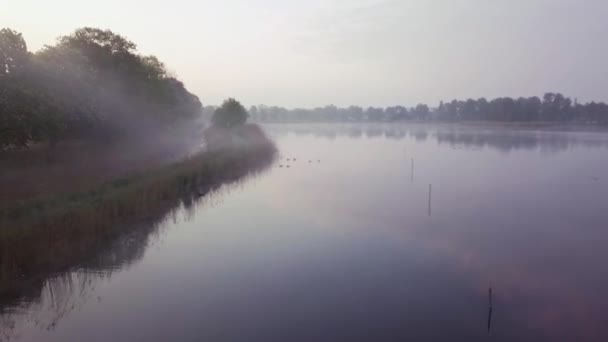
367	233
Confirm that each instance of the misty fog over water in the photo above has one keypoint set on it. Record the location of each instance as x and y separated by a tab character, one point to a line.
360	233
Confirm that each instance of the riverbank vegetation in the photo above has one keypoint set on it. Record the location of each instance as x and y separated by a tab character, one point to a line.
95	139
91	85
85	110
552	108
48	235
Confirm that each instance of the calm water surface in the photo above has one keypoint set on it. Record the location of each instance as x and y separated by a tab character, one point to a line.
373	233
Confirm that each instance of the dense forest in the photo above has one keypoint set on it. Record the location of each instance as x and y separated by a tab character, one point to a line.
92	85
553	107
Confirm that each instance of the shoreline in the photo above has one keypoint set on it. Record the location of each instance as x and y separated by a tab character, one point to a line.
40	238
541	126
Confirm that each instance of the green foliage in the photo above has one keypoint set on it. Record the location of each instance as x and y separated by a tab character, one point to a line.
42	236
553	107
13	52
97	43
92	83
230	114
422	111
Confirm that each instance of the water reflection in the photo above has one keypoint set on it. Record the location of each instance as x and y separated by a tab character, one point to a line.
502	139
46	302
58	296
530	224
359	248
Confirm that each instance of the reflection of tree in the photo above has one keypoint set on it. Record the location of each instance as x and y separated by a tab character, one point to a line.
57	298
46	302
501	139
374	131
421	135
507	140
396	134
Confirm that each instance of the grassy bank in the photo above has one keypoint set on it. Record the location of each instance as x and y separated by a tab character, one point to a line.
44	236
76	165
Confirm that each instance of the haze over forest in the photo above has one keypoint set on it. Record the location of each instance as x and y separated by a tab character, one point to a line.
354	170
362	52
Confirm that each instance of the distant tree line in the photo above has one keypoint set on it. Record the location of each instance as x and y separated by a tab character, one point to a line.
551	108
92	84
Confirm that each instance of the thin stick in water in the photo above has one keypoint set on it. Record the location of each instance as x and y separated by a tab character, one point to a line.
430	197
412	170
489	309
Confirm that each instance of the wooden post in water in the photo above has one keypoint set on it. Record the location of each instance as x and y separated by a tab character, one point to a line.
412	170
490	309
430	196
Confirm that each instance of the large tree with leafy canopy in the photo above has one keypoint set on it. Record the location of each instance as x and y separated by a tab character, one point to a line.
230	114
13	52
91	84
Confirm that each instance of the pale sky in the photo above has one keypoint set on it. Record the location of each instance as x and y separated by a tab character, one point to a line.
363	52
